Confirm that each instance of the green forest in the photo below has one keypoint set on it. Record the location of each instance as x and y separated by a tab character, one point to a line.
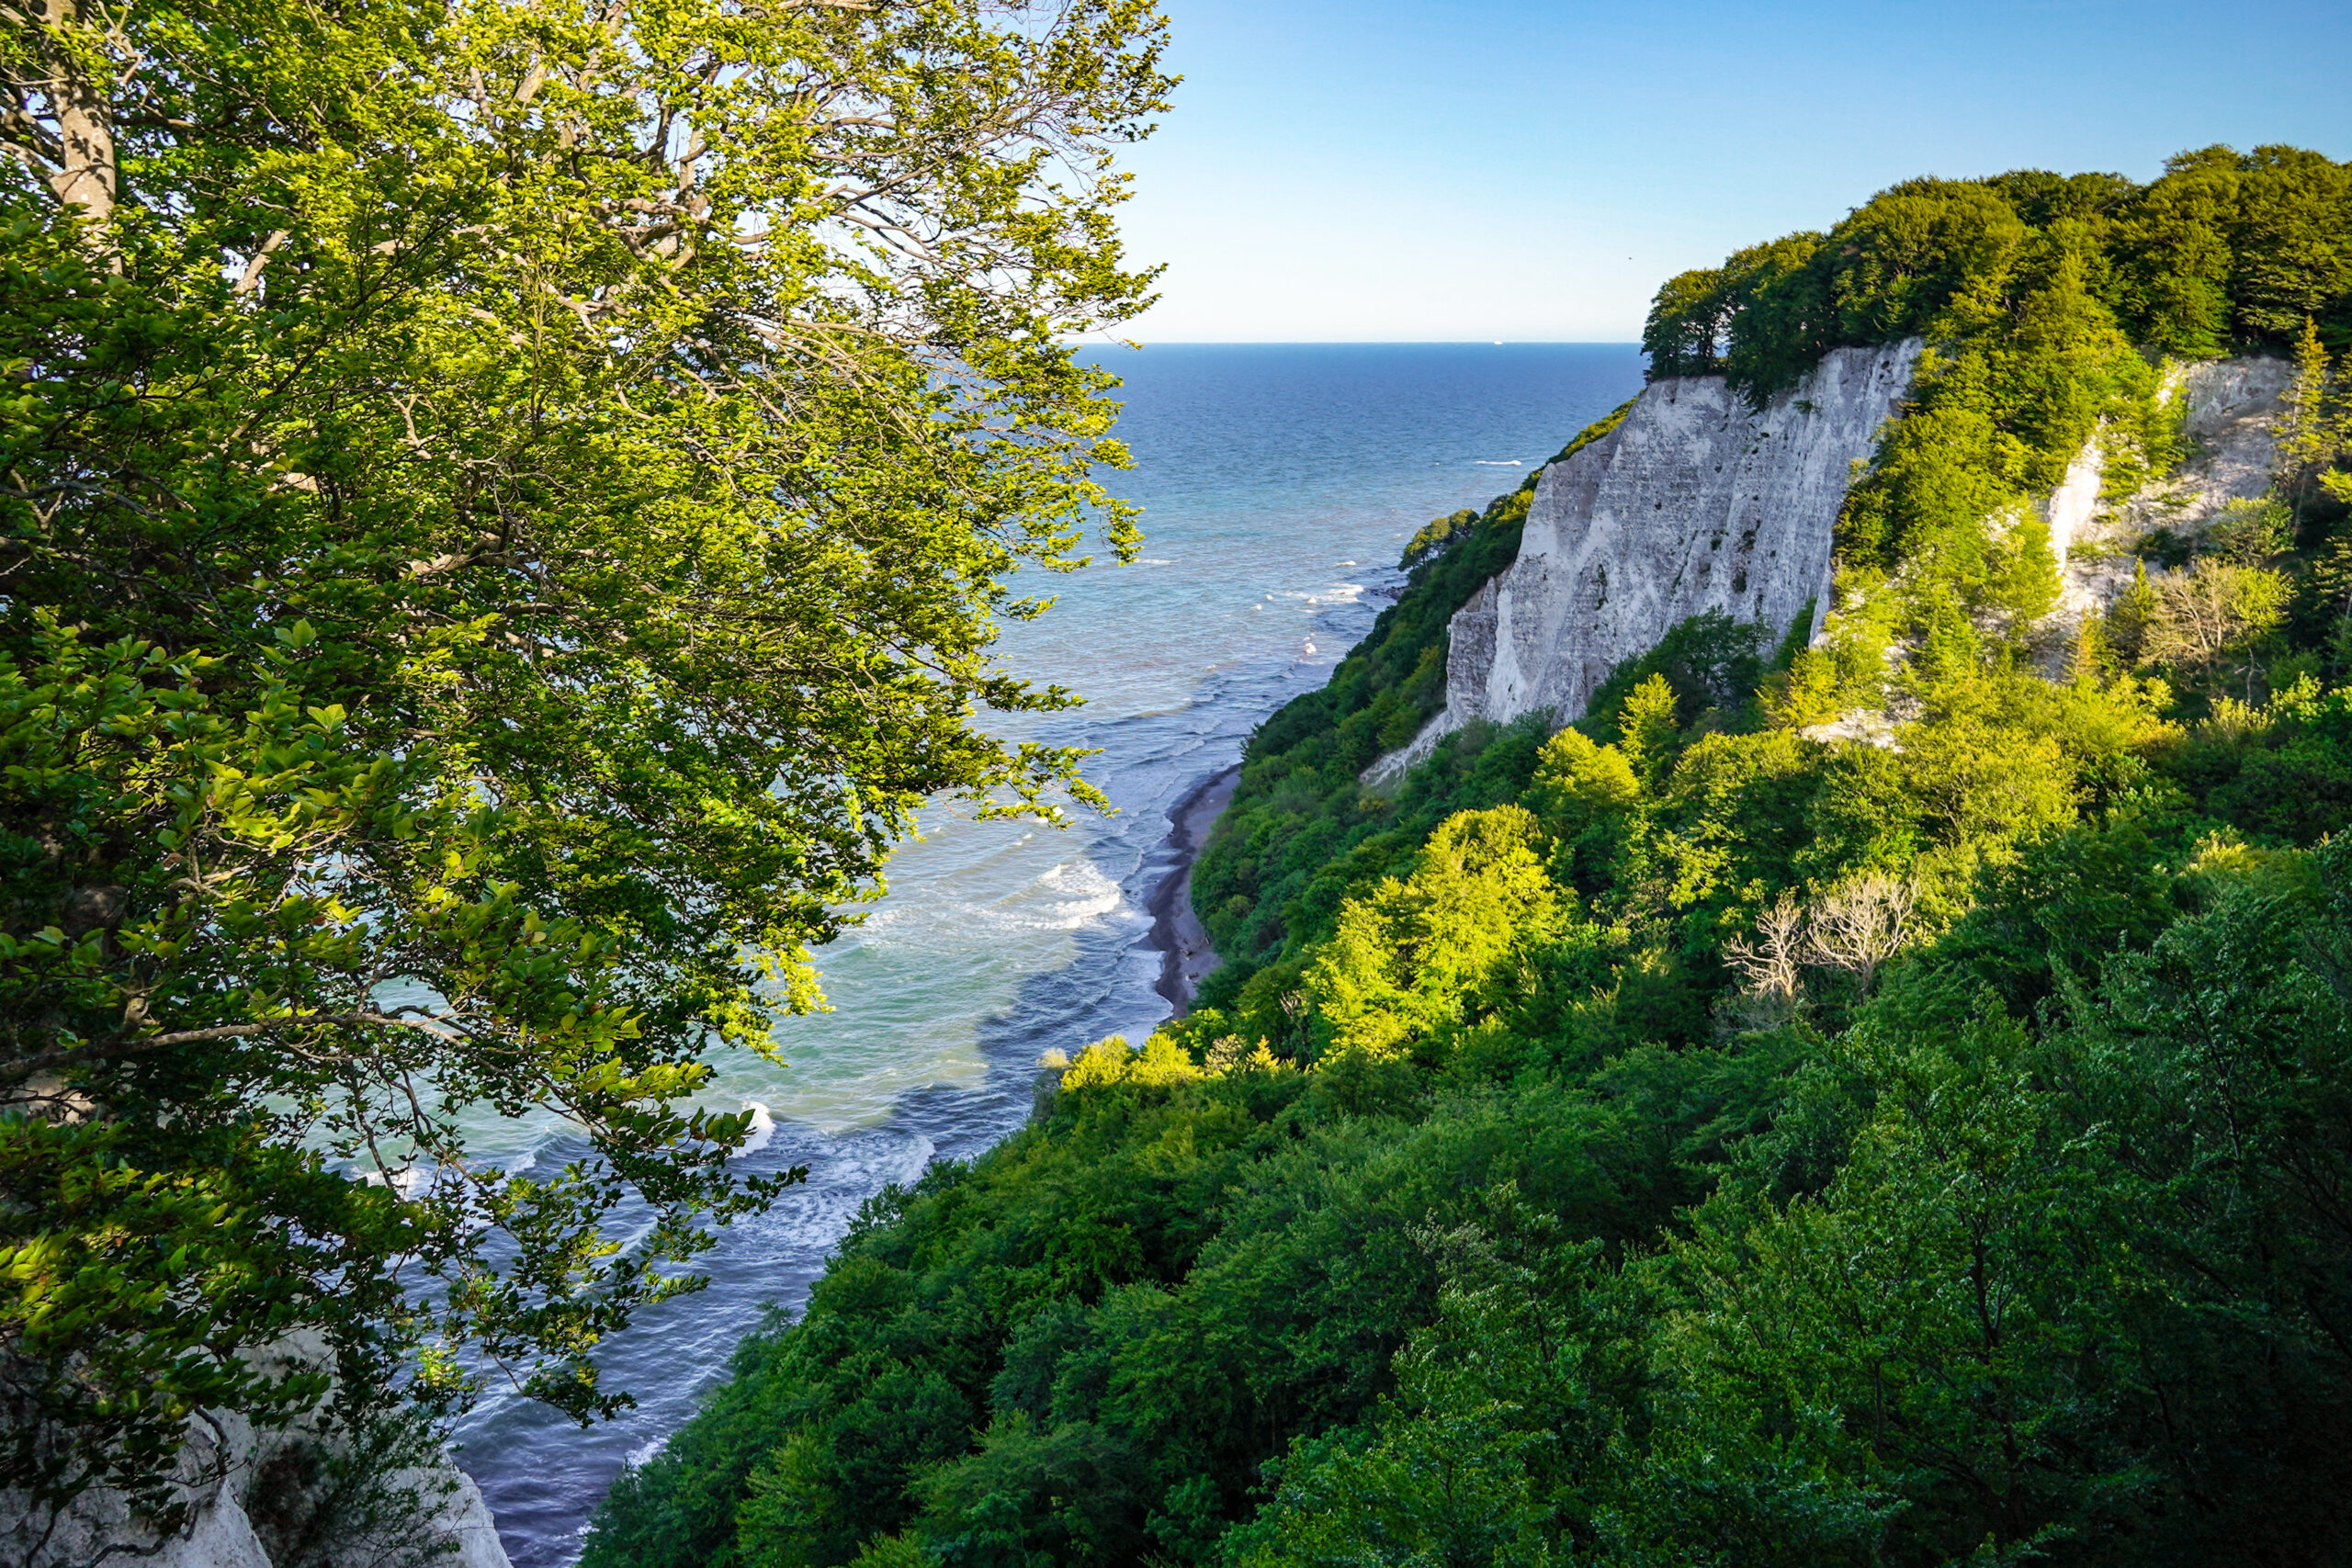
1678	1139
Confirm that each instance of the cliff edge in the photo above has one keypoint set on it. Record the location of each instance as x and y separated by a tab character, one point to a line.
1695	502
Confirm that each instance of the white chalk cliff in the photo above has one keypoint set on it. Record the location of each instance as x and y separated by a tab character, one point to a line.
2229	419
272	1499
1695	502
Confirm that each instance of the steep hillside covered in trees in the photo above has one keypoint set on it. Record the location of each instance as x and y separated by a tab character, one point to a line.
1679	1139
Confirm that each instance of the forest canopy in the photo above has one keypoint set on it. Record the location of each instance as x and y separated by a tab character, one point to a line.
507	510
2226	251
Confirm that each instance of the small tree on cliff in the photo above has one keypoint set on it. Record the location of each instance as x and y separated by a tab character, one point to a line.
2313	429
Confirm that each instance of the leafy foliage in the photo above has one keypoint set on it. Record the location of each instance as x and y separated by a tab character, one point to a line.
507	509
2226	251
1436	534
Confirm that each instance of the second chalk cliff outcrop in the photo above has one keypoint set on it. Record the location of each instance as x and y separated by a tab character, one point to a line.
299	1496
1695	502
2229	411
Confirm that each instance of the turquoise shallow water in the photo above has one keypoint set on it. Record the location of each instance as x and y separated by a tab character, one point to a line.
1279	483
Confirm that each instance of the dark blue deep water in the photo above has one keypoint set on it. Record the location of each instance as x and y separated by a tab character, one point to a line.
1279	483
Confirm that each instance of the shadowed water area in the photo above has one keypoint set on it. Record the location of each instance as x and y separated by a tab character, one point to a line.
1279	483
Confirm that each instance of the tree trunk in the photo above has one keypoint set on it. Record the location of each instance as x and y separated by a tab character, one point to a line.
85	174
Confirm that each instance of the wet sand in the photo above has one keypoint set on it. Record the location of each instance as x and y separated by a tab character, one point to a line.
1175	931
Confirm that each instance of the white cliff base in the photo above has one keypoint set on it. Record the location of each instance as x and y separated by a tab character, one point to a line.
1696	503
298	1497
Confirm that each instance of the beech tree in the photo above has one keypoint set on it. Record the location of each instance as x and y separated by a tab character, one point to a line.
506	508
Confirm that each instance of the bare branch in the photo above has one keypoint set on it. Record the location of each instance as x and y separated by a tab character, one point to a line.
1859	924
1771	965
251	275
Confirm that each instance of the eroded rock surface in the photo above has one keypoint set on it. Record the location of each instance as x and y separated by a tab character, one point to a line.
298	1497
1696	503
2230	422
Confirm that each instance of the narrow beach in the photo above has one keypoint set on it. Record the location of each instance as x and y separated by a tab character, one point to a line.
1176	931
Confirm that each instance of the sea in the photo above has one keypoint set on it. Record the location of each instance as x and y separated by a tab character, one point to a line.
1278	483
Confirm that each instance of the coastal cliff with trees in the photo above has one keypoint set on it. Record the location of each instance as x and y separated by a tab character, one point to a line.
1880	1096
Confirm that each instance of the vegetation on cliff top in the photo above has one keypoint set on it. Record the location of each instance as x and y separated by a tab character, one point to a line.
1679	1140
2226	253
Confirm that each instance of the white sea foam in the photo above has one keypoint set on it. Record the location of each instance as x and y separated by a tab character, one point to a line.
762	1128
1337	594
1498	463
406	1181
1086	896
643	1453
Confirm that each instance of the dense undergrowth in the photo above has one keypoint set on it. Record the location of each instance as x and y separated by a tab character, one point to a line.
1676	1140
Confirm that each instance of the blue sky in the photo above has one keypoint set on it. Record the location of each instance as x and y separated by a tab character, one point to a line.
1386	171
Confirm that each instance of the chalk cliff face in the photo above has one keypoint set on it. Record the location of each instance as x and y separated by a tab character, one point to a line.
1696	503
2230	420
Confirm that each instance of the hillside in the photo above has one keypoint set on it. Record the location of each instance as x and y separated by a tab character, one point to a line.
1876	1096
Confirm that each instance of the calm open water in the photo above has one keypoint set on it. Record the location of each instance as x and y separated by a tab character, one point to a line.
1278	484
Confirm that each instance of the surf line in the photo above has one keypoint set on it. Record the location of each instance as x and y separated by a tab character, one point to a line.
1176	932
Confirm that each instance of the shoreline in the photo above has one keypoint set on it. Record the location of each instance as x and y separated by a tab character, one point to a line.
1187	958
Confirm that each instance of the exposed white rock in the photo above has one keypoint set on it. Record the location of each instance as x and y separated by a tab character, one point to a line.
463	1520
1696	503
2230	422
270	1499
1870	727
2074	505
100	1523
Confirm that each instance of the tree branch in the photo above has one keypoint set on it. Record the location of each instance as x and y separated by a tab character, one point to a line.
18	1072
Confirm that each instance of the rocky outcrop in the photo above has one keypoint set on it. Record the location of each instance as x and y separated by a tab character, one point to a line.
2230	420
1695	502
298	1497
